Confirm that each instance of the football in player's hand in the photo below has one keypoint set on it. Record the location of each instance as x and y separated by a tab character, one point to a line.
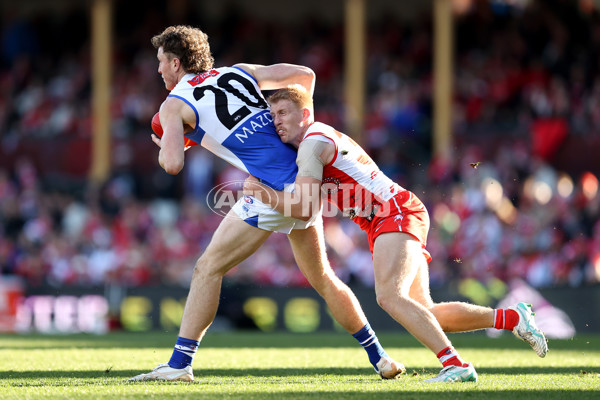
158	130
156	127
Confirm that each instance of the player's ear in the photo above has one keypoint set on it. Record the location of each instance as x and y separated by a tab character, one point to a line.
176	63
306	113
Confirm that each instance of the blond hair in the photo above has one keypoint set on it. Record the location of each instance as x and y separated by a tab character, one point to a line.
297	94
189	45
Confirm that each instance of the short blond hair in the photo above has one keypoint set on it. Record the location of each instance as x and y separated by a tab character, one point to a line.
297	94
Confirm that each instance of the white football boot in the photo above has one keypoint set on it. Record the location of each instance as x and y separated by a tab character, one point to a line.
528	331
454	373
165	373
389	369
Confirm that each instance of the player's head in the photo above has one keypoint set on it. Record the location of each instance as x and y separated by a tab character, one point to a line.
292	112
182	49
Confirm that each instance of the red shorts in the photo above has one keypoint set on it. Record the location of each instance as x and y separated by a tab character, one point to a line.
402	213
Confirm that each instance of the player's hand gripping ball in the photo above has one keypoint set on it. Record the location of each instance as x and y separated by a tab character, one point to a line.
158	130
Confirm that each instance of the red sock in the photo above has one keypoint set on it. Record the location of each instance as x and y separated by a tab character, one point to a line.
505	319
511	319
449	356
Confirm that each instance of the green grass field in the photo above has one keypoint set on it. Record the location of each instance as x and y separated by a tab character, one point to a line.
290	366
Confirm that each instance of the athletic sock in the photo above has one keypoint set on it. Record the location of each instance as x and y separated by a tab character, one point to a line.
505	319
368	339
449	356
183	353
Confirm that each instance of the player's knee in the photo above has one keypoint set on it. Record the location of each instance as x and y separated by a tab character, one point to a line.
206	267
388	298
199	267
428	304
383	301
445	327
440	316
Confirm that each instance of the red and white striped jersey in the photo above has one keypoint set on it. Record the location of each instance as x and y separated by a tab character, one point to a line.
352	181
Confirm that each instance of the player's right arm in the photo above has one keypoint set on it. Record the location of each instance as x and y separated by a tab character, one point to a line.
277	76
172	119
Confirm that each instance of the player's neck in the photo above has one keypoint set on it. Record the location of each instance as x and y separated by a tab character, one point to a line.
296	142
182	75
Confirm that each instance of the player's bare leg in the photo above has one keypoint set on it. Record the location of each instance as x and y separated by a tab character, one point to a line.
452	316
462	317
397	259
233	241
308	246
309	251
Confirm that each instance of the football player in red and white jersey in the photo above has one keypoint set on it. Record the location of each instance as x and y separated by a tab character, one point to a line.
396	222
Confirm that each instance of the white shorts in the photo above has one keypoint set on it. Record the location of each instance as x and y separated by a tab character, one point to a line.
260	215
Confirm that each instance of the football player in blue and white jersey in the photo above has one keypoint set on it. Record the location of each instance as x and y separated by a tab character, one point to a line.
224	110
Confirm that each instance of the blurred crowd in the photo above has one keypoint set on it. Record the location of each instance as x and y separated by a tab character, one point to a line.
526	79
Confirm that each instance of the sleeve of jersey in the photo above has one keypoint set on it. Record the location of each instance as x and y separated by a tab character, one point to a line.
309	159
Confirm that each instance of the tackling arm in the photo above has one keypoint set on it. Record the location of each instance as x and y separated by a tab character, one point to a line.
306	199
302	204
277	76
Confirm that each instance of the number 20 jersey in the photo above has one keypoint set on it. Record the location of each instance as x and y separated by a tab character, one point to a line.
233	122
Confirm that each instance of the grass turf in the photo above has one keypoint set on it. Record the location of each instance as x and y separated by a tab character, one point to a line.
254	365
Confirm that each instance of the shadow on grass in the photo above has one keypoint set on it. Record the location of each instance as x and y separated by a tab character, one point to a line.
412	394
283	372
434	394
